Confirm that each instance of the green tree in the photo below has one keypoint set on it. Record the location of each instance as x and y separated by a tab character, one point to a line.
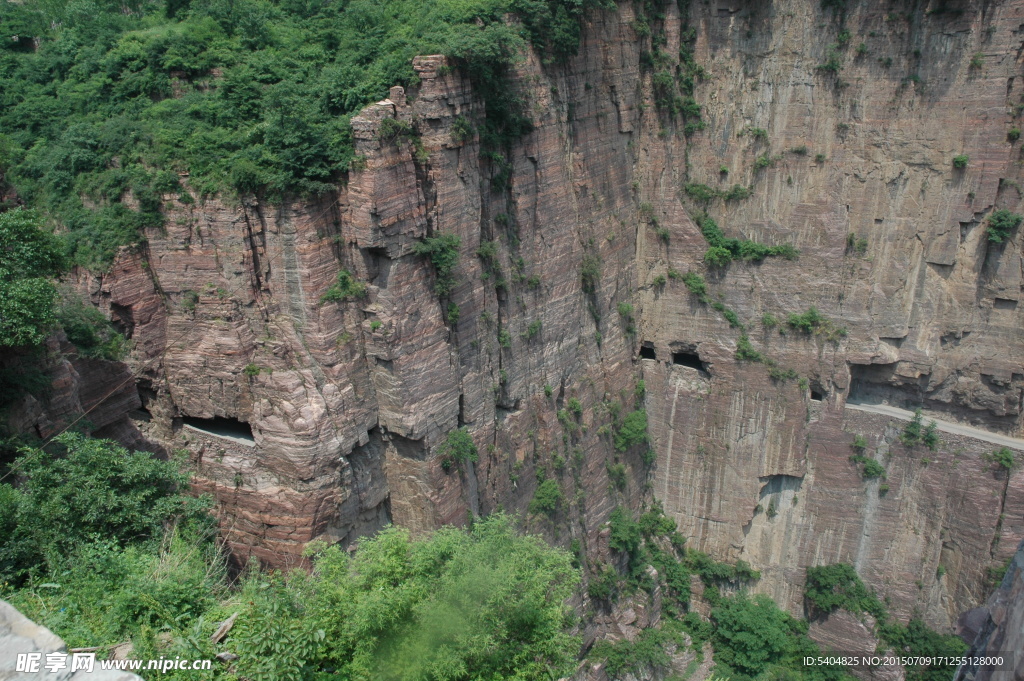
95	489
457	447
1001	224
29	259
488	603
633	430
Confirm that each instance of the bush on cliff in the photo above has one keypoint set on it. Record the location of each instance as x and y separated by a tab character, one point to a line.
29	259
1001	224
106	107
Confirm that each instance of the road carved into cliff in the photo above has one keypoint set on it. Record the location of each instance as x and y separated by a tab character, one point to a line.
944	426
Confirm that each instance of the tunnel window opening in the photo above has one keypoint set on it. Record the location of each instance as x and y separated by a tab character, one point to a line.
647	351
817	395
689	359
222	427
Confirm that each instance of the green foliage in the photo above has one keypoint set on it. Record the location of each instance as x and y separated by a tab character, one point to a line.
759	134
90	332
1013	134
716	256
488	601
625	534
103	593
833	60
1002	457
252	370
376	324
745	352
831	587
752	636
633	430
532	330
700	192
547	499
916	433
617	475
920	641
452	314
29	259
590	272
548	390
961	161
457	447
838	586
769	321
1001	224
462	130
696	285
740	249
189	300
96	489
443	251
392	129
249	96
872	469
650	650
813	322
575	407
343	288
504	338
604	585
856	244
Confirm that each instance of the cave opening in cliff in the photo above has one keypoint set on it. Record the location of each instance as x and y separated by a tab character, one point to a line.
647	351
233	429
817	395
690	359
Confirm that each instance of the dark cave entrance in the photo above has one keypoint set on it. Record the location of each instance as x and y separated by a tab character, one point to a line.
222	427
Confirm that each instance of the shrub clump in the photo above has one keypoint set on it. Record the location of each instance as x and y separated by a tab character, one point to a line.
457	448
443	251
344	287
722	250
1001	224
633	430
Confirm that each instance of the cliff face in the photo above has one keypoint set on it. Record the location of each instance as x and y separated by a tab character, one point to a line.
348	401
757	468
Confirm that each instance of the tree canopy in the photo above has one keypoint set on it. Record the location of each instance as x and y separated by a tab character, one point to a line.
107	106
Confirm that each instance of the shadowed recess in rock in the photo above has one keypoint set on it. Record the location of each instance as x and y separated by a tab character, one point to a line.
231	429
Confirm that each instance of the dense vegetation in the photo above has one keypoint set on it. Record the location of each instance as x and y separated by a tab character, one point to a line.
833	587
750	636
29	260
108	107
101	546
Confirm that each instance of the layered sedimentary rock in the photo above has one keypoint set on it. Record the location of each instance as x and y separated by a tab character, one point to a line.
856	119
847	152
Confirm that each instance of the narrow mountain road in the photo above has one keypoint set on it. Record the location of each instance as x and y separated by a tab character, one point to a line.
944	426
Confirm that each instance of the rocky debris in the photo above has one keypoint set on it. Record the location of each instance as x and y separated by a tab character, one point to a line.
20	635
